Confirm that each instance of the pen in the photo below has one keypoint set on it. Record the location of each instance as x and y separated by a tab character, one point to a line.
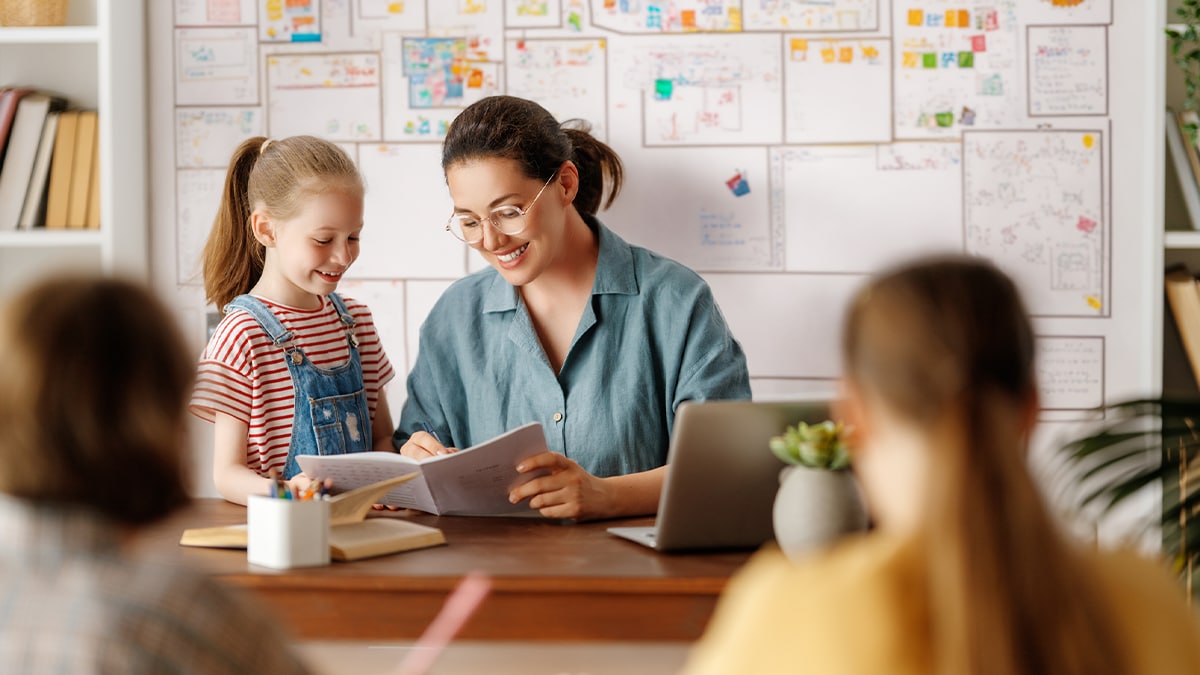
460	605
428	428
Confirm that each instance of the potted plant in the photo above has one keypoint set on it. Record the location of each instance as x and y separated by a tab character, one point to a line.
1185	52
818	499
1143	444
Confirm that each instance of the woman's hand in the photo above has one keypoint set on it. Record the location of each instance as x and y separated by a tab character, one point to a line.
423	445
565	491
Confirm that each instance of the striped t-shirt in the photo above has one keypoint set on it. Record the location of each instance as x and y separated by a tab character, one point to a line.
242	372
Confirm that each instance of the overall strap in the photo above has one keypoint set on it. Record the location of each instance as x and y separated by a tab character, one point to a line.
263	315
347	319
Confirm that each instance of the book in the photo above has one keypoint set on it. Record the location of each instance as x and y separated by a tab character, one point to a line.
34	211
92	222
352	536
81	169
22	154
9	97
1183	296
58	193
470	482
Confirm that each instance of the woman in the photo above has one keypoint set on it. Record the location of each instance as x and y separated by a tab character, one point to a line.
572	327
966	571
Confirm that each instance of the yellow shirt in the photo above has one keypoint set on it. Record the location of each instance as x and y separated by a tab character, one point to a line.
861	608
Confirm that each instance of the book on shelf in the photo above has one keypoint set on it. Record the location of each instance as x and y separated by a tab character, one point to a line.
92	219
9	97
1183	297
81	169
33	213
352	536
58	193
471	482
21	153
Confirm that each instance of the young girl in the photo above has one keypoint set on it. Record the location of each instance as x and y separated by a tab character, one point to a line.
94	382
571	326
966	571
293	368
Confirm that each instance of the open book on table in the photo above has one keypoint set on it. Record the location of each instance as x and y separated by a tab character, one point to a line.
471	482
351	534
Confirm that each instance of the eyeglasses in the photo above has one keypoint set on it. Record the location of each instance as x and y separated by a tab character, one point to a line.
508	219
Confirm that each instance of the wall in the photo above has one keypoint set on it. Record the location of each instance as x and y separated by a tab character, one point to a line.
783	149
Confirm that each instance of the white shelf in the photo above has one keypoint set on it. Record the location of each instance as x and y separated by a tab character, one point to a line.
1182	241
49	35
50	238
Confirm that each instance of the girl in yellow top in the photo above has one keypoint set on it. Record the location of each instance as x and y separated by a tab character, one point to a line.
966	572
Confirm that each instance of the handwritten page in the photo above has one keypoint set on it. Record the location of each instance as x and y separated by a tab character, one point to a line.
1065	11
681	16
216	66
197	197
957	67
565	76
1033	202
1070	372
214	12
1068	70
207	137
838	91
471	482
533	13
335	96
835	223
289	20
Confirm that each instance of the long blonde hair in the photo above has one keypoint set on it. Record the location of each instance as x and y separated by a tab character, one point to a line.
275	176
946	343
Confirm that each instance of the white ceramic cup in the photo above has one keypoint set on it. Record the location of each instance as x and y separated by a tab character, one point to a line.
285	533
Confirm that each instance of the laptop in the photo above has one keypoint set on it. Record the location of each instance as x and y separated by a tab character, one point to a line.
722	476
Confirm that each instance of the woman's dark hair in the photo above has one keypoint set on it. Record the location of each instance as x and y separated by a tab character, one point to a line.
518	129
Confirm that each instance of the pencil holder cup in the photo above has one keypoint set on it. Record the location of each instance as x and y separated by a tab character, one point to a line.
286	533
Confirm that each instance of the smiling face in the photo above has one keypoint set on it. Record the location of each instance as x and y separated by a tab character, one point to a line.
308	253
480	186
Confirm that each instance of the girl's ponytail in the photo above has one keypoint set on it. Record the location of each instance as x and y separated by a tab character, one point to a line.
233	258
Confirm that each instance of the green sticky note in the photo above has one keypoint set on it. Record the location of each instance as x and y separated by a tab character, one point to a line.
929	60
966	60
945	119
662	90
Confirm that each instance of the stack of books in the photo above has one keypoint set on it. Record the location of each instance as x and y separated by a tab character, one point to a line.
49	162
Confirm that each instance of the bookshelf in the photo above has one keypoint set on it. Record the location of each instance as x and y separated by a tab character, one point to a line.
97	61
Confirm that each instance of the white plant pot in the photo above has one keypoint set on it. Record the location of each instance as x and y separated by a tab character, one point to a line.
813	507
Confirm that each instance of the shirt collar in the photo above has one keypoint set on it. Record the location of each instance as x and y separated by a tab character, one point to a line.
615	272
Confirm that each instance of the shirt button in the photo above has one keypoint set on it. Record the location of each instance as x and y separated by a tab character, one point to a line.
558	417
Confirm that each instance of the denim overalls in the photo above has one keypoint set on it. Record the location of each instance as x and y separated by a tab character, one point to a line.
331	414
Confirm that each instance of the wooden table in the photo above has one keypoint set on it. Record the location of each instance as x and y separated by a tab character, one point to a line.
551	581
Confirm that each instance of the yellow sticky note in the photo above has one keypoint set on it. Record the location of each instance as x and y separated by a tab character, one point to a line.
846	55
1095	303
916	17
1088	141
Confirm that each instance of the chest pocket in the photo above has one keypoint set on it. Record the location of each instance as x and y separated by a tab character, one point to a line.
341	423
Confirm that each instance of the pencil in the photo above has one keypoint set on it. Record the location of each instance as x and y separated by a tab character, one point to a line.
460	605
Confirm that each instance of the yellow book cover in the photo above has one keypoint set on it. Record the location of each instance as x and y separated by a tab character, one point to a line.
81	169
92	222
58	194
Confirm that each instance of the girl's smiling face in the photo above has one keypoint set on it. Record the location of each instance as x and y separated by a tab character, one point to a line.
480	186
308	253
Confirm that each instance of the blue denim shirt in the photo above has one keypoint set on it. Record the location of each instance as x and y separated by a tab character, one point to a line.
650	338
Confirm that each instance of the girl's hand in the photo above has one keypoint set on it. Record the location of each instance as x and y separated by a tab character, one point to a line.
423	445
299	483
566	491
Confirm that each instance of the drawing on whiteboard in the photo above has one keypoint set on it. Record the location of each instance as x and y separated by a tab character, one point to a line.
436	71
1070	371
811	15
289	21
335	96
197	194
533	13
680	16
565	76
215	66
479	22
1033	201
738	184
1068	70
837	91
214	12
207	137
392	15
703	89
954	63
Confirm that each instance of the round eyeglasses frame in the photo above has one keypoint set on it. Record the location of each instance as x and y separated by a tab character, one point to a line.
507	211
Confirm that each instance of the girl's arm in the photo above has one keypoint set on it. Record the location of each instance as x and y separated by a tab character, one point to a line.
234	480
382	427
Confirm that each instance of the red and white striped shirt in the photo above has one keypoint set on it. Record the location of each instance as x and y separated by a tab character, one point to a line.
242	372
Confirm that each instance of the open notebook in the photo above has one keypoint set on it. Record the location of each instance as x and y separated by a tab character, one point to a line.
351	534
721	474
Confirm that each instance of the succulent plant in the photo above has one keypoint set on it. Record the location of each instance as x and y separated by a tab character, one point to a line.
819	446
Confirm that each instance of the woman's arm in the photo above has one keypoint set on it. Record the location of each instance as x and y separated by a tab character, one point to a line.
572	493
